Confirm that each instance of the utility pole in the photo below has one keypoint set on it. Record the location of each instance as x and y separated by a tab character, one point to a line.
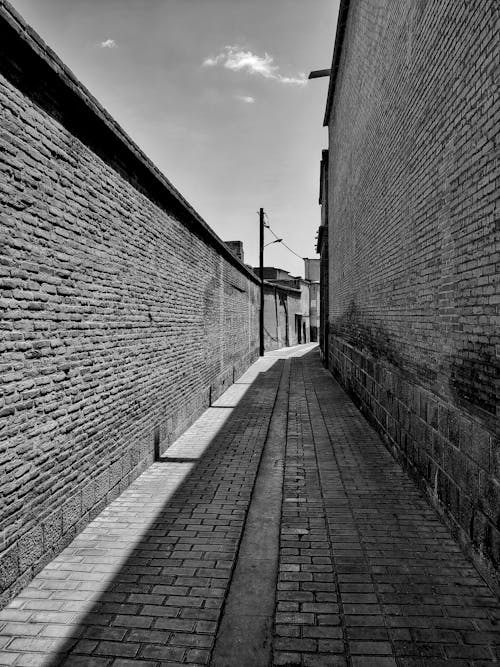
261	266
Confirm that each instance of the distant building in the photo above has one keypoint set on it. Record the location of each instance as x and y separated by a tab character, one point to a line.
311	269
274	274
300	319
312	275
308	319
284	320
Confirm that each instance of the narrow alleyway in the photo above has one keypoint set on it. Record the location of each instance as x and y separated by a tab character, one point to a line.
276	530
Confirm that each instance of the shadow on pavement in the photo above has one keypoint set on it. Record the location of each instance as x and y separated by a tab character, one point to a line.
162	604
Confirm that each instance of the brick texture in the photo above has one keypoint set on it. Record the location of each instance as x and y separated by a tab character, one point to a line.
413	292
122	314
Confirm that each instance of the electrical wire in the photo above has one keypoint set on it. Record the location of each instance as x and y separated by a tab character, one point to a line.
266	217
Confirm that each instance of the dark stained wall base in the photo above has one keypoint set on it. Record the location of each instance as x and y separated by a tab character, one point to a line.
452	457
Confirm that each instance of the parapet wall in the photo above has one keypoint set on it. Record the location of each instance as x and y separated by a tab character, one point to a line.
122	313
413	248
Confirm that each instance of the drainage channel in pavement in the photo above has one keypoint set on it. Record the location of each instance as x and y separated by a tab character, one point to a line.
246	629
144	583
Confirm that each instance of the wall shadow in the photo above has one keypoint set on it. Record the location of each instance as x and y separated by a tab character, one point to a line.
161	604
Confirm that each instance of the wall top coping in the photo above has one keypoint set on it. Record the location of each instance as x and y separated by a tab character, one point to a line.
283	288
31	47
337	52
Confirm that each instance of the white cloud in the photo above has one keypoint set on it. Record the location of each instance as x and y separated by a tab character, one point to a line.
249	62
299	80
236	59
247	99
210	62
108	44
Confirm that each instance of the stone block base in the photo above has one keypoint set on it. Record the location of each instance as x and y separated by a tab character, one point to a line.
451	455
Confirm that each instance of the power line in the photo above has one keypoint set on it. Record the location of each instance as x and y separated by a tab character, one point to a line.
282	242
292	251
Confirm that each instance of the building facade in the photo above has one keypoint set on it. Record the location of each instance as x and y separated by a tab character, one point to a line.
322	250
283	308
312	272
409	246
305	313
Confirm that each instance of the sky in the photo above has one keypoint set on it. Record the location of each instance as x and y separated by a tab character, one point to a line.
215	93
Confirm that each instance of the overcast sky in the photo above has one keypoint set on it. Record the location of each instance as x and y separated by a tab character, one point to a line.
214	92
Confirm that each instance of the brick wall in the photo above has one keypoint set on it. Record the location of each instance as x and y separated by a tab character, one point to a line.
322	250
122	313
412	203
281	304
275	319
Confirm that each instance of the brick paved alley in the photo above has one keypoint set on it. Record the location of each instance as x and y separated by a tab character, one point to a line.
276	530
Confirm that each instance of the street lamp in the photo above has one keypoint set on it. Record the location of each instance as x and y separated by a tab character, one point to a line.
271	242
319	73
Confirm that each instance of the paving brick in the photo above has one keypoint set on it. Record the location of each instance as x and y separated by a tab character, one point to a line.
380	533
125	649
373	661
424	601
133	621
292	644
175	624
195	640
86	661
25	629
148	636
287	659
322	631
198	656
311	660
104	632
32	644
370	648
165	653
288	630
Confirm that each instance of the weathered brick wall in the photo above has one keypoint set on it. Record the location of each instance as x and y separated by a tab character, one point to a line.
275	319
122	314
412	192
280	306
294	298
